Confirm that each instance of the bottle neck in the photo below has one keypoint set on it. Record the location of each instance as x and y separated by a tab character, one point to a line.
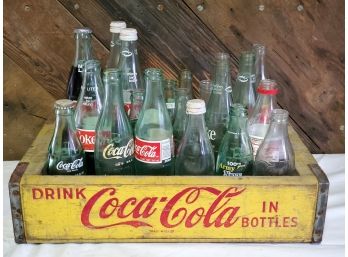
237	124
154	93
83	49
196	124
115	40
260	64
114	95
278	129
222	75
64	123
180	107
129	49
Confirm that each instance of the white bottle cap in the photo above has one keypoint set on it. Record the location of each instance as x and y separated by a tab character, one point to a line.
117	26
195	106
128	34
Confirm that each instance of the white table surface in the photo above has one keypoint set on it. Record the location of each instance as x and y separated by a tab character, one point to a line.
331	246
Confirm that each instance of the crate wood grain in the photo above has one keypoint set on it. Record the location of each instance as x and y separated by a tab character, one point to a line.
57	209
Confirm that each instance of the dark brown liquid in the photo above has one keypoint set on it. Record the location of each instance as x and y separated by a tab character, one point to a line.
74	83
90	163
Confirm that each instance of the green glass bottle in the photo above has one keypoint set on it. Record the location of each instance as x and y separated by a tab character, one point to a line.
235	156
244	91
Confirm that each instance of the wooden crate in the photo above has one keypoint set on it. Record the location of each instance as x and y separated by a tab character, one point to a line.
57	209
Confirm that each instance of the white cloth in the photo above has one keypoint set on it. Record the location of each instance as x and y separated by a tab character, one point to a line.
331	246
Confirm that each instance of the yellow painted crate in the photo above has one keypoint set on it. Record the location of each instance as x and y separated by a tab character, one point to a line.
57	209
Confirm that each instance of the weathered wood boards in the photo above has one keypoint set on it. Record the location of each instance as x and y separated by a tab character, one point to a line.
166	209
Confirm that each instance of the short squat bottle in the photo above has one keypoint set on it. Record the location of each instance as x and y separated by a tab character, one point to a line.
244	91
65	156
220	101
154	148
114	144
115	43
182	95
260	118
235	156
195	154
88	109
83	52
275	156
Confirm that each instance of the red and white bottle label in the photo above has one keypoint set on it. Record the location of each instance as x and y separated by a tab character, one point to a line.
87	139
127	107
152	151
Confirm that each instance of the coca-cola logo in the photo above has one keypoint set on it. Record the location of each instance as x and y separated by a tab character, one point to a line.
87	139
70	166
146	150
113	152
173	212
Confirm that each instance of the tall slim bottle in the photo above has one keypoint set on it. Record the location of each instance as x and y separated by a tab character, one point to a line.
260	54
131	75
169	96
115	43
83	52
114	144
275	156
154	148
244	91
195	154
260	119
220	101
185	81
88	109
65	154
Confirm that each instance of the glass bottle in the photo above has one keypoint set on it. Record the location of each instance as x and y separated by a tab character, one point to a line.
235	156
180	120
65	154
205	89
185	81
220	101
260	118
154	148
275	156
169	97
260	53
88	109
131	74
115	43
114	144
83	52
244	90
137	99
195	154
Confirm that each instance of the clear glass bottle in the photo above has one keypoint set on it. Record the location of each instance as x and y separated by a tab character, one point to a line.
205	89
169	96
65	154
260	53
115	43
195	154
154	148
220	101
88	109
185	81
83	52
275	156
260	118
131	74
235	156
244	91
114	144
182	95
137	99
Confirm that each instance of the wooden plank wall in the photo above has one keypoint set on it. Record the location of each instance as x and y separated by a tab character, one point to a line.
304	39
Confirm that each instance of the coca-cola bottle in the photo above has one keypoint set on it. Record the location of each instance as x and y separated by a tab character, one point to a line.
182	95
275	156
195	154
131	74
220	101
154	149
115	43
88	109
114	144
260	53
185	81
83	52
65	154
260	118
244	91
137	99
169	96
235	156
